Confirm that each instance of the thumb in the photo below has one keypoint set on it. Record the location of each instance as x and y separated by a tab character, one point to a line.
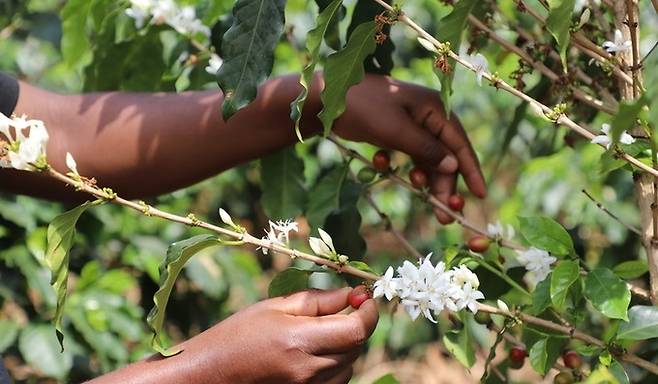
313	302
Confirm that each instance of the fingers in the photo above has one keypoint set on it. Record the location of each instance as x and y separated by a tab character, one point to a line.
340	333
451	133
442	186
312	302
340	375
424	148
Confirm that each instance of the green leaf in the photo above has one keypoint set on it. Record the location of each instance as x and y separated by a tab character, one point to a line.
631	269
545	233
313	44
332	35
450	30
608	293
248	51
460	345
61	234
344	223
381	61
324	197
74	17
343	70
282	183
388	379
617	370
563	276
558	23
642	324
544	353
177	255
624	119
541	297
290	280
361	266
41	350
8	333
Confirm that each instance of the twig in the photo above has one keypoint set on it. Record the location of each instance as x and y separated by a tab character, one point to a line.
649	53
541	67
633	26
612	215
245	237
571	331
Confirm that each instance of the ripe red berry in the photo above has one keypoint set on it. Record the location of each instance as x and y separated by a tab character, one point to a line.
357	296
572	359
517	354
456	203
515	364
478	244
563	378
418	177
381	161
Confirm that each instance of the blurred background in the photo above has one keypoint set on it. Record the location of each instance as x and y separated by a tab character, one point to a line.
529	165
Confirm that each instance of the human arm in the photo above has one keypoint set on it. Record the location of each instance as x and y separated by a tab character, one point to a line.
145	144
301	338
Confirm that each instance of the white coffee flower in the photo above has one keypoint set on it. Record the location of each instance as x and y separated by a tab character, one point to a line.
214	63
619	45
26	146
428	289
284	228
499	231
324	246
537	262
386	285
606	140
480	64
140	10
71	164
502	305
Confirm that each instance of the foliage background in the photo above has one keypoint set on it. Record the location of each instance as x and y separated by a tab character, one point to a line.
529	168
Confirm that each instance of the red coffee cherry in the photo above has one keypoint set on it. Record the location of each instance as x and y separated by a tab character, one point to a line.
456	202
563	378
418	178
478	244
357	296
381	161
517	354
572	360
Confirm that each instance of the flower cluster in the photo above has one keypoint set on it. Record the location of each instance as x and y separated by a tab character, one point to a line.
24	146
279	233
537	262
427	288
182	19
606	140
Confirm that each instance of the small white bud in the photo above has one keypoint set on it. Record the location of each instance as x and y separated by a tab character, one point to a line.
343	259
502	306
327	240
226	218
427	45
71	164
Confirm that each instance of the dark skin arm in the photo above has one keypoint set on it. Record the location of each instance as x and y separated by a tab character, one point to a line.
143	144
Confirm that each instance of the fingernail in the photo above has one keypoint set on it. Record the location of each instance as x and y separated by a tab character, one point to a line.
448	165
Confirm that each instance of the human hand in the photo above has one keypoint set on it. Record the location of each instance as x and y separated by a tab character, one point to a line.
410	118
300	338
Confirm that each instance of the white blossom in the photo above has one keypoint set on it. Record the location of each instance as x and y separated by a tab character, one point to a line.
71	164
428	289
619	45
182	19
606	140
284	228
323	246
502	305
26	146
537	262
214	63
480	64
427	45
500	231
386	285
